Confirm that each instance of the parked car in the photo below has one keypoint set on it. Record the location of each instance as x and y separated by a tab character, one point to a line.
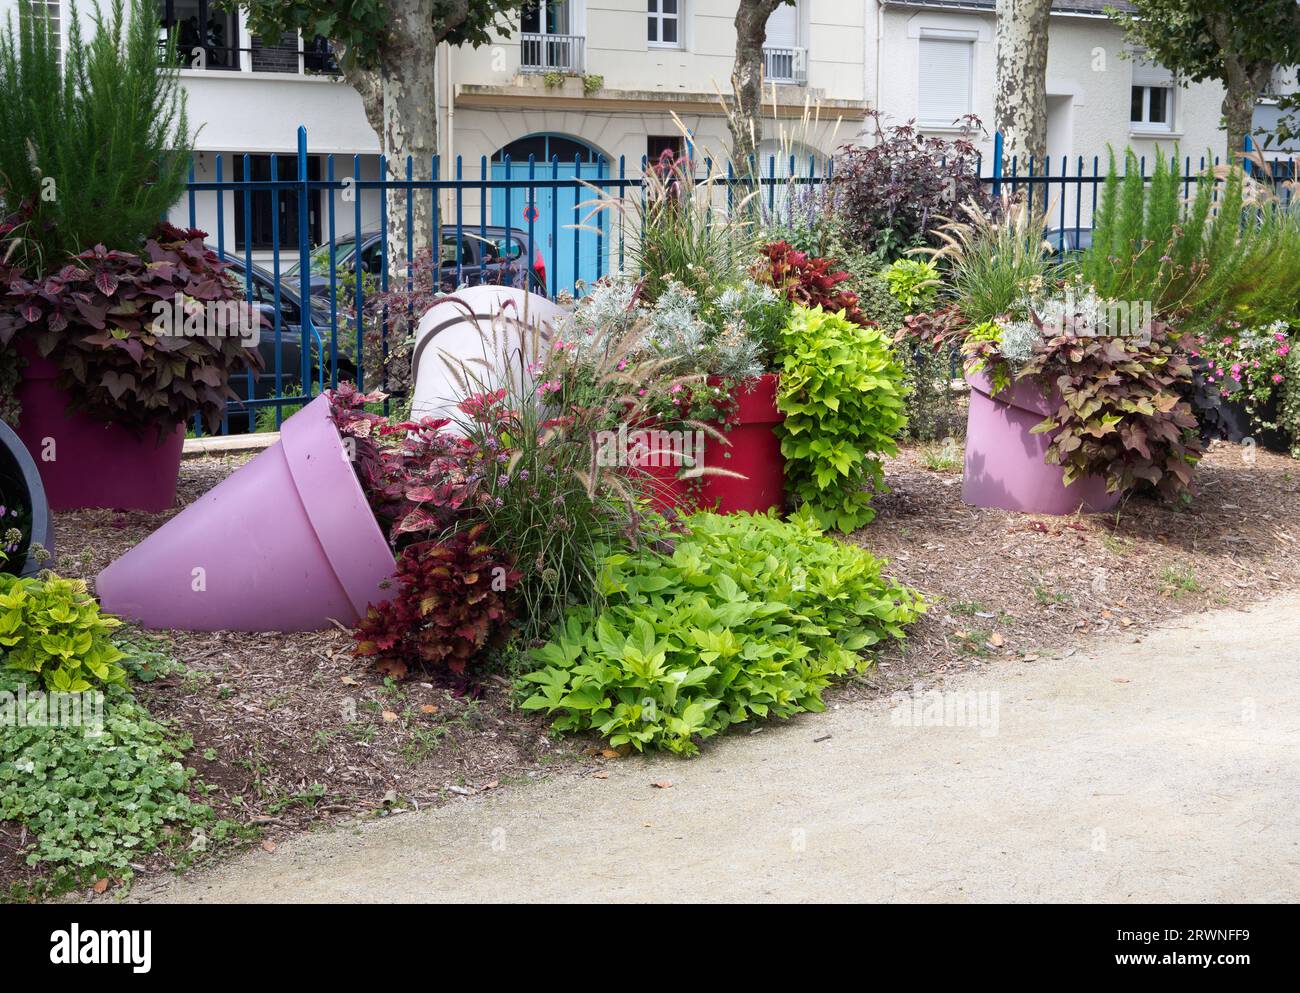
1069	241
486	255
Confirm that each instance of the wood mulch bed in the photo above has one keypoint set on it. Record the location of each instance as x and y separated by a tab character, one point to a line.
294	732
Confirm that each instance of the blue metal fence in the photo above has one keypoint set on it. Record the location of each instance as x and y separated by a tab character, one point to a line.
301	360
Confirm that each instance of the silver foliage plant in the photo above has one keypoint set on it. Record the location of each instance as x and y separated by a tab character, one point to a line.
675	334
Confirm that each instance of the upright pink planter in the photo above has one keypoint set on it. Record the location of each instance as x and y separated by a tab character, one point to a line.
284	544
84	462
1005	464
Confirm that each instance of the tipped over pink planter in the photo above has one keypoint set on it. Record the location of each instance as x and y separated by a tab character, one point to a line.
284	544
1005	464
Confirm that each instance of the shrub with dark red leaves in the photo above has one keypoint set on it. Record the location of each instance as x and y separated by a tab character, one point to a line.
807	280
415	475
95	318
941	330
891	193
452	597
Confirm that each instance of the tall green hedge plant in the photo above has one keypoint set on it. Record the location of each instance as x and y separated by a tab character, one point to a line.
99	147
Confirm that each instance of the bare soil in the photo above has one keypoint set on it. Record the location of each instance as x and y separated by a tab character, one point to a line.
294	732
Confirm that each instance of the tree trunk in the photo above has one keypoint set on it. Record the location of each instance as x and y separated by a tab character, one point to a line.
1020	105
400	104
745	116
1243	81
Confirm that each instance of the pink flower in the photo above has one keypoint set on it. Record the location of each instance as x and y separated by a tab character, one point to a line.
1228	340
1236	367
1284	350
1277	377
1279	336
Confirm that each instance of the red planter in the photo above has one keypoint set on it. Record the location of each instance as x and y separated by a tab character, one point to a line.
86	463
751	449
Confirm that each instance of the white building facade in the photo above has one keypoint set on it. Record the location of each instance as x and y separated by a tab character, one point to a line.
606	82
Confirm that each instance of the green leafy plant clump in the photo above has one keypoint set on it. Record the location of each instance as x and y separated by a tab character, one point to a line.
842	393
93	803
747	617
52	627
99	146
914	283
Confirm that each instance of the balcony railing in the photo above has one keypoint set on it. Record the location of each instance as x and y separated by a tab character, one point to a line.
552	53
785	65
261	56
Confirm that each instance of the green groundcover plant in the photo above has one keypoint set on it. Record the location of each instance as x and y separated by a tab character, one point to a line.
746	617
842	393
92	804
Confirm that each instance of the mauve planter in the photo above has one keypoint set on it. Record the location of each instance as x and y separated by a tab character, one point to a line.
1005	464
84	462
284	544
19	473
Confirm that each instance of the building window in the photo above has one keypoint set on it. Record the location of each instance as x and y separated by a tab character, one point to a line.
1151	104
944	91
662	23
52	9
1150	107
318	56
265	205
206	35
661	147
548	38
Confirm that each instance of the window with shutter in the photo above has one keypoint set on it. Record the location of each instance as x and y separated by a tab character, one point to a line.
1151	106
944	90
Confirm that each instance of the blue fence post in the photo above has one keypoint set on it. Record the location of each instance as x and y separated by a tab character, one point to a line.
306	331
997	164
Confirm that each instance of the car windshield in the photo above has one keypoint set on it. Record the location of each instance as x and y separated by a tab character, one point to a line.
320	258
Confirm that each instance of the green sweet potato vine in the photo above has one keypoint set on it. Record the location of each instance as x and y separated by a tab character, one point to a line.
52	627
747	617
842	393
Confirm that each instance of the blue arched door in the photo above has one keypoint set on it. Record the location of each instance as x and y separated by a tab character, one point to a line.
569	252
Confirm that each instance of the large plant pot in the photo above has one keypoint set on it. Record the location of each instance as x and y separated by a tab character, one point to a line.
84	462
284	544
754	452
750	448
493	334
1236	425
1005	464
21	490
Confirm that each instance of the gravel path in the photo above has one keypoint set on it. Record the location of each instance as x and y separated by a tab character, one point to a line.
1160	769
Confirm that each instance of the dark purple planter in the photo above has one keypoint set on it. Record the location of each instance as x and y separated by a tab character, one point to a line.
86	463
1005	464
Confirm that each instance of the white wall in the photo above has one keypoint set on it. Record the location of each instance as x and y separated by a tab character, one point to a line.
1088	83
833	32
